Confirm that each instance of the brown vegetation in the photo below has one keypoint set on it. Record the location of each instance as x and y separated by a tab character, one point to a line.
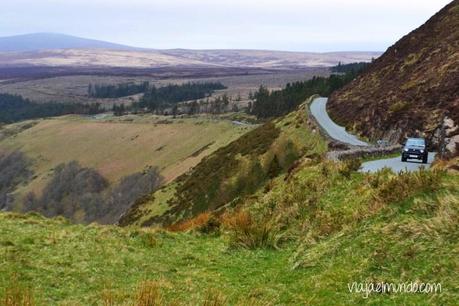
409	89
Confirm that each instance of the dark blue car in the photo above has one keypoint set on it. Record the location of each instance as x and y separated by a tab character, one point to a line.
415	148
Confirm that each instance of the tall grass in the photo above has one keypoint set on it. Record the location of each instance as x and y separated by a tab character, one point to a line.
16	294
248	232
204	222
149	294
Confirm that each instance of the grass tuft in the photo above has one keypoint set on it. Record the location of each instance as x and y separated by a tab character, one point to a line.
149	294
16	294
247	232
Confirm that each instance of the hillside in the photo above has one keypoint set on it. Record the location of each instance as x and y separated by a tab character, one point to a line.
114	147
49	41
305	241
263	220
410	87
232	172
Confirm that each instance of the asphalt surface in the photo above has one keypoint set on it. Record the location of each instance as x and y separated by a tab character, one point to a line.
319	111
396	164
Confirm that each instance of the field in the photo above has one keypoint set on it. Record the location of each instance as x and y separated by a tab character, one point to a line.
74	88
117	147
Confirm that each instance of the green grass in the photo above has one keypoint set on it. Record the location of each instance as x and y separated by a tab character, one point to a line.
340	239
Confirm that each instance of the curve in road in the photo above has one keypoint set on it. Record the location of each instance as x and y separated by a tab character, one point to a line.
318	109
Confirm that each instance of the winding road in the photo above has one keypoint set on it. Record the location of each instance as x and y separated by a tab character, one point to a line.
318	109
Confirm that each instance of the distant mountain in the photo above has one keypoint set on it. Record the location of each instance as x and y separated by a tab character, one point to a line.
410	88
50	41
53	49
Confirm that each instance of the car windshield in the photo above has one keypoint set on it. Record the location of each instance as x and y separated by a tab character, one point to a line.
415	142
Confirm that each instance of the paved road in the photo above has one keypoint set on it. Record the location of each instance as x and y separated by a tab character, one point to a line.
319	111
396	164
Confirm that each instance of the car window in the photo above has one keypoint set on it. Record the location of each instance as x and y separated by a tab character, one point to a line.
415	142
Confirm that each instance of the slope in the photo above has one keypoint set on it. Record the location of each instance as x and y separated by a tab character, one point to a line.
410	88
336	230
232	172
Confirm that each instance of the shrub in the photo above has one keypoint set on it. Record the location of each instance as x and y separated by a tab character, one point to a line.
348	166
399	187
247	232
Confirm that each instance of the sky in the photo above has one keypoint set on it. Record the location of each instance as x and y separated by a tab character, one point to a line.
293	25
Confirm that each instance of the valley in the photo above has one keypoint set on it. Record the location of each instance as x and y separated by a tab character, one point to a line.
214	177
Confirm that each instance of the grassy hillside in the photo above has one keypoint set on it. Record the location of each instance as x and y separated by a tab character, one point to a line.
301	242
410	87
116	147
231	173
265	220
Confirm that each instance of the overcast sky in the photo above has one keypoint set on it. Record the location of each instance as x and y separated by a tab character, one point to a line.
297	25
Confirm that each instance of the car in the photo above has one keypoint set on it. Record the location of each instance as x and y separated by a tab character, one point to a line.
415	148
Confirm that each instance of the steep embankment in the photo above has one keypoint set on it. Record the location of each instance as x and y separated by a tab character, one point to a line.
237	170
410	87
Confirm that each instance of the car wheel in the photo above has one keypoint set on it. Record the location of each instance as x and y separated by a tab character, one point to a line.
424	159
403	158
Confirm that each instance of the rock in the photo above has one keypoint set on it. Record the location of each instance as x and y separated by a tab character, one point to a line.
452	145
450	127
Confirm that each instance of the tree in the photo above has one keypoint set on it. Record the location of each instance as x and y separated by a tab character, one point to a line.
174	111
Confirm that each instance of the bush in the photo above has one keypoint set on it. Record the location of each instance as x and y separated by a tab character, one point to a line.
399	187
247	232
348	166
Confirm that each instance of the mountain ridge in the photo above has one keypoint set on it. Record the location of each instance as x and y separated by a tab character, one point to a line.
50	41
